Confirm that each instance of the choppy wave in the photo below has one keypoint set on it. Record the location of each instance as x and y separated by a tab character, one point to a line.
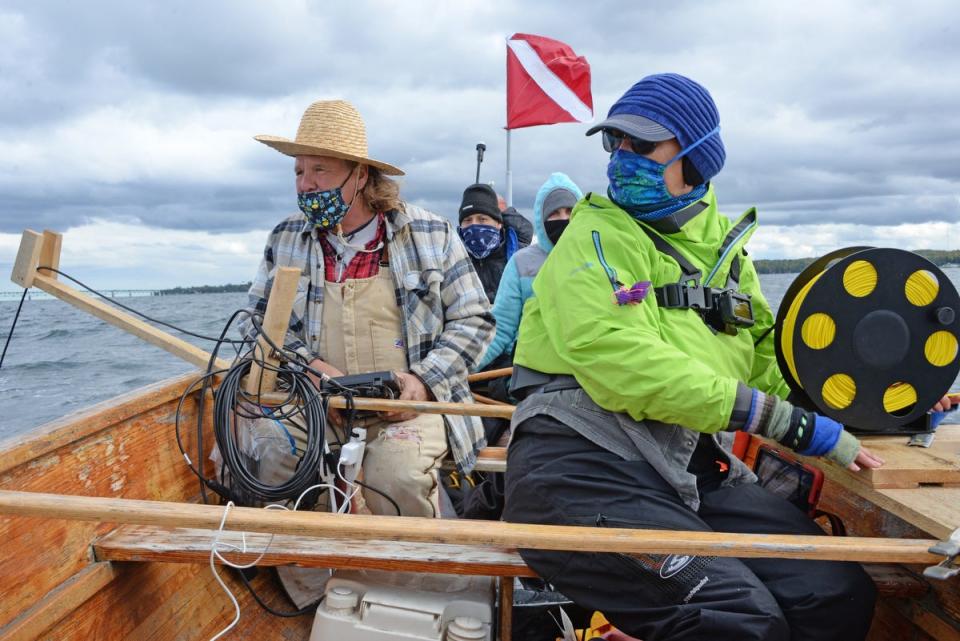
61	359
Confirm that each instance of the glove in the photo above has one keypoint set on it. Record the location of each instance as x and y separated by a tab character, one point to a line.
806	433
937	417
826	433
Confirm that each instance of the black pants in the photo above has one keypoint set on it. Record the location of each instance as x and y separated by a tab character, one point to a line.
555	476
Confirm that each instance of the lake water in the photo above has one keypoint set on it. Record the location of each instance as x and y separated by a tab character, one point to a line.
61	360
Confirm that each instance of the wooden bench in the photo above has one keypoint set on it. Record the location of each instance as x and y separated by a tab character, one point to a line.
184	545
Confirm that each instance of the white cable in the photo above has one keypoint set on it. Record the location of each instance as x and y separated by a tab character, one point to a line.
219	545
216	575
349	484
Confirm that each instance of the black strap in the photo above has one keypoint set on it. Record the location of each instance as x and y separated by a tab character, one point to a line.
745	222
689	271
733	278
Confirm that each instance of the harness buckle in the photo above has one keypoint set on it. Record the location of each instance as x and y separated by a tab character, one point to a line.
672	295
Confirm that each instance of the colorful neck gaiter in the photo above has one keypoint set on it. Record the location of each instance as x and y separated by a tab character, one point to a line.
480	240
325	209
637	184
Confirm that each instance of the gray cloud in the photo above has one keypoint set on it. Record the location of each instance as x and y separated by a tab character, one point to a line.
830	113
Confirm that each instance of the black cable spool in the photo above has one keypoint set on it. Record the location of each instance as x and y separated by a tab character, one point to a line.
879	338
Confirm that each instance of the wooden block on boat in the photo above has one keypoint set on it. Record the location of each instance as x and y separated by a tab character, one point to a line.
895	581
908	467
28	256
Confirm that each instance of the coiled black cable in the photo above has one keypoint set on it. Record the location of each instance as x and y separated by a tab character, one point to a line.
229	407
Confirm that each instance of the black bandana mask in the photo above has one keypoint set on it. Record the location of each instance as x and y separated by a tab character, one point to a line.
554	228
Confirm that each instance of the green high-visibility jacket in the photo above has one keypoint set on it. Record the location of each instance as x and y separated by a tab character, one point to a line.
641	359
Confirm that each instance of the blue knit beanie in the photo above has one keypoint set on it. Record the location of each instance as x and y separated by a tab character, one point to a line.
685	108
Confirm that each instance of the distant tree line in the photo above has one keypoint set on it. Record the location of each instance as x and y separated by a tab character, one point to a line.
206	289
938	257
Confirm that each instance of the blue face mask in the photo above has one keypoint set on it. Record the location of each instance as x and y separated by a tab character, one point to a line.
325	209
480	240
638	185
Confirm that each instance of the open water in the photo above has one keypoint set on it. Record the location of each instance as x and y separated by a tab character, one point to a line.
61	359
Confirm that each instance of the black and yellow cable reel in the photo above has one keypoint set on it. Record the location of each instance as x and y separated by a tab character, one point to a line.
869	337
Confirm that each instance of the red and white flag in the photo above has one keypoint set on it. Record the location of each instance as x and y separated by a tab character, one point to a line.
547	83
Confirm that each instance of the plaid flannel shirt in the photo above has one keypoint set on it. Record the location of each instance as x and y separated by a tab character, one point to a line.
365	264
446	315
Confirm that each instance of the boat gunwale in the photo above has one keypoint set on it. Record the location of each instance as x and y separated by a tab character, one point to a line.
102	416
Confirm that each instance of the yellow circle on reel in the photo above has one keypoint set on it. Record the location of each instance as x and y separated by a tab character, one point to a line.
921	288
818	331
899	398
839	391
940	348
860	278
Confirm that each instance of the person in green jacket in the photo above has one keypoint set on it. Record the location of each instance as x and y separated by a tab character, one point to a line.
635	385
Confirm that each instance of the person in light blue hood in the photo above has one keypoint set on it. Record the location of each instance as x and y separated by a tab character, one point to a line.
551	212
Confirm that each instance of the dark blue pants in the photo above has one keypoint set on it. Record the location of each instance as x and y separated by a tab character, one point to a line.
555	476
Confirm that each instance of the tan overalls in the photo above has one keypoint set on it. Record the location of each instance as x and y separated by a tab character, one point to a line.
363	332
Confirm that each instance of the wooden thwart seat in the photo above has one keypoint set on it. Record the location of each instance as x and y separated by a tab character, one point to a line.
186	545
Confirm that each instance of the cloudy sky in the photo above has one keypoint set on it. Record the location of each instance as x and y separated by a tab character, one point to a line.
128	125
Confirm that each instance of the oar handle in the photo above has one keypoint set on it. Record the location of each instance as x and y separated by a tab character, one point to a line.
489	374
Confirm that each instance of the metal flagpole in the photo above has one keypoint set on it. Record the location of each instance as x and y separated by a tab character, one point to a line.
509	174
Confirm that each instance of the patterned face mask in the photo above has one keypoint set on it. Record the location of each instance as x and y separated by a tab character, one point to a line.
637	183
480	240
325	209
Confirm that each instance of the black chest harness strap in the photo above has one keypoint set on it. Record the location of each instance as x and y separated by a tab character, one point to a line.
722	309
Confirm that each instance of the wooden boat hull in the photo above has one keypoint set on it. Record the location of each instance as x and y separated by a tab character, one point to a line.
54	587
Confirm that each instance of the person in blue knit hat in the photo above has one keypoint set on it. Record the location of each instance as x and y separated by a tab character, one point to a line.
645	347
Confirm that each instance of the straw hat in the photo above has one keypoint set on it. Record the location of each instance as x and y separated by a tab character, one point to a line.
330	128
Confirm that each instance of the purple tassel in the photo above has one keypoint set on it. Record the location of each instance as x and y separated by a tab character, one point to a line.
635	294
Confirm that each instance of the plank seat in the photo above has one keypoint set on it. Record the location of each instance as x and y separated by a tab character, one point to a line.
186	545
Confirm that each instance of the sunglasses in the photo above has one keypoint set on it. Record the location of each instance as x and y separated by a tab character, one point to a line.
612	139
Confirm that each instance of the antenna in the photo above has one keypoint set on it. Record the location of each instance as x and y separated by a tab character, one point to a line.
480	149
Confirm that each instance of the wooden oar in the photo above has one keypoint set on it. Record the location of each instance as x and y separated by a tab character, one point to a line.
425	407
486	400
489	374
44	250
482	533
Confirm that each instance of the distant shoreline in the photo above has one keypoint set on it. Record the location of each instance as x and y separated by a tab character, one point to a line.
206	289
938	257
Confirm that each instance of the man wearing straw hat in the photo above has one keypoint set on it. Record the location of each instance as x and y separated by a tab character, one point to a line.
385	285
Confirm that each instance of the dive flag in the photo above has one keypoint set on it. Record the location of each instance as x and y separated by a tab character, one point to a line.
547	83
